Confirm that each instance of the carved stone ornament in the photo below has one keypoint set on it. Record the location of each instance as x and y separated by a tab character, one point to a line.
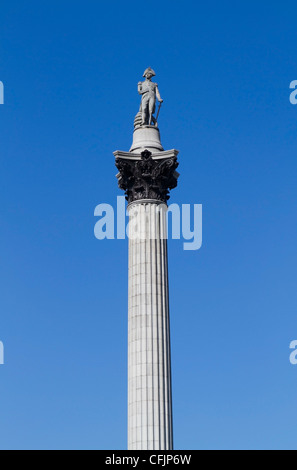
147	178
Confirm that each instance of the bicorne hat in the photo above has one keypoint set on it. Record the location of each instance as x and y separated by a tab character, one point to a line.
150	70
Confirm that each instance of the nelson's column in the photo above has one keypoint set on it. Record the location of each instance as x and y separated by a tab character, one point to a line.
146	173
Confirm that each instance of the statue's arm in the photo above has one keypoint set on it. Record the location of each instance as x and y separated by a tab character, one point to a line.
140	88
158	95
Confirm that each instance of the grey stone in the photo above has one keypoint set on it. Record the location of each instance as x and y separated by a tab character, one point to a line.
149	91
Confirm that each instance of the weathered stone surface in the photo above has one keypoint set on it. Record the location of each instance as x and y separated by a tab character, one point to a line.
147	178
149	354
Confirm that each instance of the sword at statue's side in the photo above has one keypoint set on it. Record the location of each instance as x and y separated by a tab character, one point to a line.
158	111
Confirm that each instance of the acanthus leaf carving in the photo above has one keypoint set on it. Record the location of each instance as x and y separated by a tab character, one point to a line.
147	178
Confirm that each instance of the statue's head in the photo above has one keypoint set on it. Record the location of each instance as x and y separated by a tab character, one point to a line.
149	73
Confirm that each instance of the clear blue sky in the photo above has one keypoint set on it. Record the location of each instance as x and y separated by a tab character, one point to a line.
70	71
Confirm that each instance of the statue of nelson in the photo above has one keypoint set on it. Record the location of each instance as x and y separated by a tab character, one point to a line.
149	91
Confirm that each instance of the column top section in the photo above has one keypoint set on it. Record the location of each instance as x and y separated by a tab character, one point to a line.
147	176
147	171
138	156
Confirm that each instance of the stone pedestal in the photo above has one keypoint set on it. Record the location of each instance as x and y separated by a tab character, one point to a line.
146	178
146	138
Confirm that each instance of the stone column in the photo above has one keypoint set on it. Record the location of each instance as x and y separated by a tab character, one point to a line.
149	365
147	179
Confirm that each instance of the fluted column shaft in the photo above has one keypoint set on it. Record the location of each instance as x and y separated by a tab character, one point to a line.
149	362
